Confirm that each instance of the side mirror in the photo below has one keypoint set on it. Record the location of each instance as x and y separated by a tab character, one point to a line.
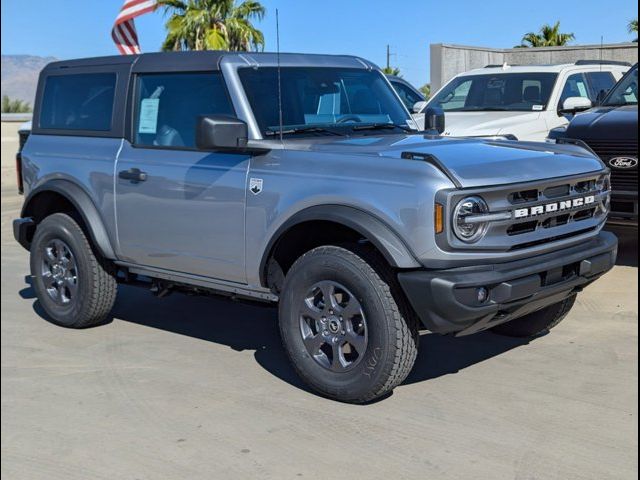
419	106
221	132
576	104
434	120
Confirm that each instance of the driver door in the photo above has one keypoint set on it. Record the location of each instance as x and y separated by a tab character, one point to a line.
177	208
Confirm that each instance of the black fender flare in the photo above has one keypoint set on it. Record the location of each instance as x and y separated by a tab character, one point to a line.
392	247
85	207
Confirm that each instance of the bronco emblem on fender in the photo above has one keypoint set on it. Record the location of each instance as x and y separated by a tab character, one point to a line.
623	162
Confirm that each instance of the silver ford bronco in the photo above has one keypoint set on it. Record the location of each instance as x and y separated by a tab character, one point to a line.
301	180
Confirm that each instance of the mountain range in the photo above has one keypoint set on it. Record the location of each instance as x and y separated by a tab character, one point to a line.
20	75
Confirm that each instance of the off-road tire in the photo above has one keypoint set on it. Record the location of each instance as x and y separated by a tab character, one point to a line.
96	284
536	323
392	325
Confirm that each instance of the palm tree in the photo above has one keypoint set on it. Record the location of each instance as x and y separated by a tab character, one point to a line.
391	71
633	28
549	36
213	25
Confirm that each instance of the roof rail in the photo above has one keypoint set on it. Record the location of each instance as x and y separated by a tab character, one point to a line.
501	65
603	62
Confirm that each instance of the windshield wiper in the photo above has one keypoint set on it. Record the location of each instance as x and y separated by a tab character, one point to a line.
289	131
381	126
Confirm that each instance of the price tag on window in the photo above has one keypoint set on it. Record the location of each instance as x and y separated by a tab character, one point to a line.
582	88
148	123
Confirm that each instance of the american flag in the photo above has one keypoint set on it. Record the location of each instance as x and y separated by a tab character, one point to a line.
124	30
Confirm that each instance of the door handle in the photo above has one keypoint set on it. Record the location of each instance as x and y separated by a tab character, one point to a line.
134	175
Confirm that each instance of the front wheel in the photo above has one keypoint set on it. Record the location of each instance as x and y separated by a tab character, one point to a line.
536	323
345	325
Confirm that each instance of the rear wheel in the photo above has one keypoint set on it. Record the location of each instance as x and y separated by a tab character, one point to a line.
536	323
73	285
344	324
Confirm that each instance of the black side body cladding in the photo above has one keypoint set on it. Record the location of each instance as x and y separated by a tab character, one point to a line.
378	233
82	203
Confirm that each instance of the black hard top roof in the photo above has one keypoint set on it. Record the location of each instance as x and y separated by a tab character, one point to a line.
205	60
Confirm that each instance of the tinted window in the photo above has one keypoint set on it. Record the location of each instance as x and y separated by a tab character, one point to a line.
407	95
78	102
576	86
168	106
626	90
600	83
329	98
497	92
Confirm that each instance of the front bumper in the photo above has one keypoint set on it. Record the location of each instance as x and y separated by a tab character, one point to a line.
447	300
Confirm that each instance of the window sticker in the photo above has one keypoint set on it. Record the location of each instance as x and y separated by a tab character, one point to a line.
538	108
583	90
149	115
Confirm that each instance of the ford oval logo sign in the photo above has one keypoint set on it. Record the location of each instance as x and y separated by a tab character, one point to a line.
623	162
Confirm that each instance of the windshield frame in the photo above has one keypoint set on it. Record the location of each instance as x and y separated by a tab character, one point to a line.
614	89
548	106
315	129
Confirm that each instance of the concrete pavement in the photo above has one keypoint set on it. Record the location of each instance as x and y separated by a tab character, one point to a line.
199	388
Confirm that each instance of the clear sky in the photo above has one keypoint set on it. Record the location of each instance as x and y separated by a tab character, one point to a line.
80	28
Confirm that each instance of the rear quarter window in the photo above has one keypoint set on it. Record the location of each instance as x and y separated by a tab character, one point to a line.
81	102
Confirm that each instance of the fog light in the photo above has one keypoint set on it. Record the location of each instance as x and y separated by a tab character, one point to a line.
483	295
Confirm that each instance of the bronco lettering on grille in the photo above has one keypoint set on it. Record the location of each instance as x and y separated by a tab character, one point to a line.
554	207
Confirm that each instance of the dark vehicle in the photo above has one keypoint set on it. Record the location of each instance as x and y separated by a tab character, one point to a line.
409	94
611	131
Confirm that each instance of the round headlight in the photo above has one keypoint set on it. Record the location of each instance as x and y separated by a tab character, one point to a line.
467	229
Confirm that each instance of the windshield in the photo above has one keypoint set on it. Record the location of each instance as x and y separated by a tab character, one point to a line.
322	100
521	92
625	92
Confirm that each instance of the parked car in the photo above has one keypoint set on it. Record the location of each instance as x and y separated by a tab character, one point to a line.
179	171
611	131
523	102
409	94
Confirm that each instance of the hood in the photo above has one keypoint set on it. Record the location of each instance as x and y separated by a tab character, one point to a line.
605	123
472	163
459	124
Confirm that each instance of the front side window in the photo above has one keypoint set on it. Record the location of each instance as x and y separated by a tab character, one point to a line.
576	86
78	102
625	92
497	92
318	99
407	95
600	83
168	106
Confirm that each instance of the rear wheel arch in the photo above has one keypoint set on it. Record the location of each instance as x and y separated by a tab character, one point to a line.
342	223
63	196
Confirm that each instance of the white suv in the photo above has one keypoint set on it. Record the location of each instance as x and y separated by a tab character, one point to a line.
523	102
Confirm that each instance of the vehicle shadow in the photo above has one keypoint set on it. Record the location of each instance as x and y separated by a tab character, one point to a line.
246	327
627	245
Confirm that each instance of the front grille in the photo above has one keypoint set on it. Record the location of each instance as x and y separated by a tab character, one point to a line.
621	179
533	214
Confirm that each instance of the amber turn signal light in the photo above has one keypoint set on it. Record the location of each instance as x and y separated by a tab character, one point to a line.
438	220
